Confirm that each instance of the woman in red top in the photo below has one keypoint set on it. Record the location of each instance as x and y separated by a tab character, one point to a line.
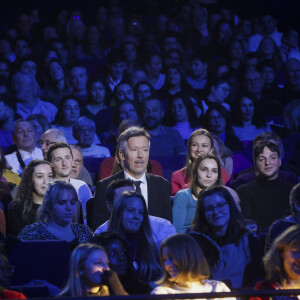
200	142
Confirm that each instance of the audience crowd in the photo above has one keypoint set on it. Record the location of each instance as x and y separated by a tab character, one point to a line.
159	141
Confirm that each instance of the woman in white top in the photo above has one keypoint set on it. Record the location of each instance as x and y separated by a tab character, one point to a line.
185	269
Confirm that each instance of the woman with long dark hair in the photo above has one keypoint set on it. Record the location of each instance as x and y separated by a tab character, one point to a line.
30	195
130	220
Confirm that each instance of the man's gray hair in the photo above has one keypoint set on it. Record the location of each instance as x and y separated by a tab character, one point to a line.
33	82
129	133
59	135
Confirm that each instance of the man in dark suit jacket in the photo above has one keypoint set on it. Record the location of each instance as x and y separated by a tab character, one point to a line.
134	145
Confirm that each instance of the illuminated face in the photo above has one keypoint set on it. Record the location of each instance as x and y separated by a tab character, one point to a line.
130	51
62	160
71	112
169	265
220	92
78	78
207	173
86	135
199	69
217	122
47	140
217	212
268	75
94	266
267	46
247	109
29	67
127	111
77	163
124	91
142	92
24	136
97	92
291	262
268	163
22	49
173	76
117	257
41	177
136	156
179	111
155	65
254	82
152	113
133	215
63	210
201	144
56	71
117	69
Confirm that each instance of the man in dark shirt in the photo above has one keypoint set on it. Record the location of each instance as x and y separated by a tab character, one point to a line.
266	198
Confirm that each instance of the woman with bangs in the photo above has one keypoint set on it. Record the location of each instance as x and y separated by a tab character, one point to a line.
55	216
130	220
185	269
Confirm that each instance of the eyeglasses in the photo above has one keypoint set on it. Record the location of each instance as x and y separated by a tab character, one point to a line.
220	206
47	143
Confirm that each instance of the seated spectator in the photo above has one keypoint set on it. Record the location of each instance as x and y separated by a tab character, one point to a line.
26	92
123	91
266	198
182	115
137	75
185	269
29	66
24	138
218	121
219	229
268	28
40	124
290	43
248	120
130	220
142	90
84	130
78	80
30	195
50	137
218	92
61	157
236	54
161	228
206	173
54	218
281	263
67	116
7	121
154	71
121	262
127	110
57	85
279	226
98	98
198	77
78	170
6	175
224	155
200	142
164	140
90	274
251	173
269	50
116	65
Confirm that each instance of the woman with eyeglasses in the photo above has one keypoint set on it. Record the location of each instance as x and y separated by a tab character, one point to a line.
219	229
